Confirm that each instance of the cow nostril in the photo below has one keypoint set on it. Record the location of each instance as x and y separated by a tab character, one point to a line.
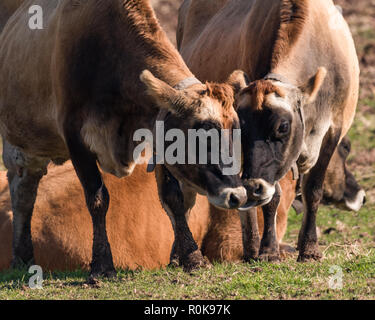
364	200
258	190
234	201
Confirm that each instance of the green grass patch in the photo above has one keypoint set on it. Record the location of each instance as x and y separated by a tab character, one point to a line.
347	241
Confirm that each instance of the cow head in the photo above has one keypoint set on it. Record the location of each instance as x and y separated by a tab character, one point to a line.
206	106
340	185
272	122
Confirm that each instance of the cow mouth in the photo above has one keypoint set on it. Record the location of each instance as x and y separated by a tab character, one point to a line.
254	203
229	198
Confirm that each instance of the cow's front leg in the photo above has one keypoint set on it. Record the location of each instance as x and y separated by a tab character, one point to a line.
269	246
178	201
312	193
250	234
97	201
24	175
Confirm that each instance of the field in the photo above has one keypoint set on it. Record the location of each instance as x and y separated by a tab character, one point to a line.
347	239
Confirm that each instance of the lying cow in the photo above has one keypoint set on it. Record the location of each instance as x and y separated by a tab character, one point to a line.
302	64
138	228
79	89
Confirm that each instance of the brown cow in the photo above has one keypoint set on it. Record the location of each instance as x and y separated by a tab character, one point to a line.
138	228
303	68
79	89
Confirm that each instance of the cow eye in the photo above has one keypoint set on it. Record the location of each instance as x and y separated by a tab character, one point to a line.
206	125
283	129
346	148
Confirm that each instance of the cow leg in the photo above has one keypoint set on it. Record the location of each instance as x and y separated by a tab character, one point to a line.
174	260
24	174
312	191
97	201
269	246
178	202
250	234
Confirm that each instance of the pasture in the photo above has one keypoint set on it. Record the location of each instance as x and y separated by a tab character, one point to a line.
346	239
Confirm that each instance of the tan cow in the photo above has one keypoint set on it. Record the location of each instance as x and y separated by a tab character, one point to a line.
302	64
80	88
138	228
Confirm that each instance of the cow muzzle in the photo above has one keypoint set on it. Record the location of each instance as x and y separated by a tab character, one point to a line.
357	202
229	198
259	193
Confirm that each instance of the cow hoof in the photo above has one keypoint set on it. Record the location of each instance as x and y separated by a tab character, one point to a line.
249	259
269	257
195	261
19	264
309	253
313	256
174	263
103	271
286	249
94	277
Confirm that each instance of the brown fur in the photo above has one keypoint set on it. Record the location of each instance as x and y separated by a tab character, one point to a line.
287	37
257	91
139	230
291	39
96	73
225	94
293	16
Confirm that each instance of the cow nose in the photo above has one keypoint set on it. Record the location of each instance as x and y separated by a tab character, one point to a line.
237	198
255	188
258	189
234	201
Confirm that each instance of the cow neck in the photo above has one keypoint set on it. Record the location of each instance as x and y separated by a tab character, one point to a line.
164	62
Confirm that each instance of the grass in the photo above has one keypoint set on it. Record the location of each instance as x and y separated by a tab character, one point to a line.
347	241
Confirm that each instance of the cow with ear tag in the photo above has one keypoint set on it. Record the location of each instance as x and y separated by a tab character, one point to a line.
301	101
195	105
84	95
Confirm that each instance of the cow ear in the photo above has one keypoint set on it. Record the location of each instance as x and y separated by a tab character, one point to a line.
312	87
238	80
163	94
